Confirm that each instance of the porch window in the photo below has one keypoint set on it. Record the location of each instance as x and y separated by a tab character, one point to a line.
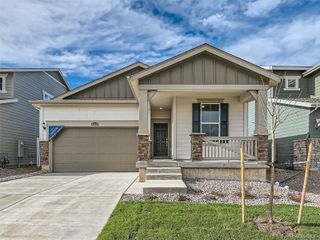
210	119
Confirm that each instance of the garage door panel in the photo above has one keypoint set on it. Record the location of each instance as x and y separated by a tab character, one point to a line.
95	149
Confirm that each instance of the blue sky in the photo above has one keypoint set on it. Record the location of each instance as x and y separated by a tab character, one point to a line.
90	38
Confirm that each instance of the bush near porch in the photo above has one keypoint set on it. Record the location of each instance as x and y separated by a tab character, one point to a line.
159	220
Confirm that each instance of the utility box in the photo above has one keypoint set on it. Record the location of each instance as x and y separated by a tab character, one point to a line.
20	149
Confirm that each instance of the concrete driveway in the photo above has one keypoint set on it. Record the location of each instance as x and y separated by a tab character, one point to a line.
60	206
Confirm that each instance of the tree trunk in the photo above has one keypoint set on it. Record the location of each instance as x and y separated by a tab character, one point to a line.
272	177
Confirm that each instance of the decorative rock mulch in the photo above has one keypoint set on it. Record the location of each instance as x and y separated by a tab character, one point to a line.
8	174
220	191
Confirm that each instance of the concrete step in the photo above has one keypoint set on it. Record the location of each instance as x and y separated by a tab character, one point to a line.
164	186
163	163
163	169
163	176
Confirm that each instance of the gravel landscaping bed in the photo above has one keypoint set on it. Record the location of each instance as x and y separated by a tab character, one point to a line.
7	174
294	179
219	191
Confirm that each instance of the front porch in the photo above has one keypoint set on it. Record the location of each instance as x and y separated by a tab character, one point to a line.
202	134
193	111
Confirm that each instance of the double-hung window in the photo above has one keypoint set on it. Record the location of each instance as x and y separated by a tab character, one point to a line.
3	84
292	83
210	119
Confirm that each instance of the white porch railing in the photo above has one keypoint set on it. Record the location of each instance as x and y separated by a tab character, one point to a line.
228	148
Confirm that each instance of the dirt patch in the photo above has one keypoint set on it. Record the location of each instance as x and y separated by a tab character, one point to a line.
297	198
277	228
182	198
267	195
247	194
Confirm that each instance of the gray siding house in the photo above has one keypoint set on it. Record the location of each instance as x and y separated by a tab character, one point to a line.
299	93
18	119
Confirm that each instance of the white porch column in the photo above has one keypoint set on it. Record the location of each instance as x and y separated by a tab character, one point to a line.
261	121
261	101
143	112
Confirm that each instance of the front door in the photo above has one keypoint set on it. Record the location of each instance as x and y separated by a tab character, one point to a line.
160	139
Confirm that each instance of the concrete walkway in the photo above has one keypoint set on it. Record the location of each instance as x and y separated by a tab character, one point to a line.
60	206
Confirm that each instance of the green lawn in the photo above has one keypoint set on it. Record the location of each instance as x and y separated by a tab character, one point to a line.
159	220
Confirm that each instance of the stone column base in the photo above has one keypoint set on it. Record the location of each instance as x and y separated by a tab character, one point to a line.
196	146
262	147
44	155
143	147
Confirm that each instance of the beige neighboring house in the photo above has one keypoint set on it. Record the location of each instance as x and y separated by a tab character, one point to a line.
190	109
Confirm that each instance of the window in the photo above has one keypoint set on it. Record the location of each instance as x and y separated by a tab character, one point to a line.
292	83
46	96
210	119
3	84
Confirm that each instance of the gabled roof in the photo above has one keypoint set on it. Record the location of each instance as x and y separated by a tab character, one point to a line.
311	70
102	79
45	70
203	49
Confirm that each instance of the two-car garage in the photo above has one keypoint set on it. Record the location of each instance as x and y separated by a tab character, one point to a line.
95	149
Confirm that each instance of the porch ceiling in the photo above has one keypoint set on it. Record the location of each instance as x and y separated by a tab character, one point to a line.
163	99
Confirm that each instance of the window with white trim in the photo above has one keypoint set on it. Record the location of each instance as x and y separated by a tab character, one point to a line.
292	83
3	84
46	96
210	119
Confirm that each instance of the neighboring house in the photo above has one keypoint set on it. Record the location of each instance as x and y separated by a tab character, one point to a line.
189	108
299	94
18	119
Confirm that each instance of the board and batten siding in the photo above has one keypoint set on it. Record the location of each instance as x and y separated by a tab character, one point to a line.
113	88
204	69
20	120
73	113
182	125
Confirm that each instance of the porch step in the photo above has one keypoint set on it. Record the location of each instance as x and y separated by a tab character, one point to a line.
163	163
164	176
164	186
163	169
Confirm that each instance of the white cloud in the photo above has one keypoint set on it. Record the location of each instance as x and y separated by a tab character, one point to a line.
88	37
294	43
218	20
261	7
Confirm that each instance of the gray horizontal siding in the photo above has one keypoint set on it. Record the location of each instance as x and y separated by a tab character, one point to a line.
203	69
303	85
20	120
313	130
9	86
113	88
284	150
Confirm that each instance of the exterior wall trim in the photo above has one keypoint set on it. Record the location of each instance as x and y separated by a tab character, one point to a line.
201	88
9	101
89	123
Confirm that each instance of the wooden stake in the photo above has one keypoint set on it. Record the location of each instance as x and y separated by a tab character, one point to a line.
243	190
305	183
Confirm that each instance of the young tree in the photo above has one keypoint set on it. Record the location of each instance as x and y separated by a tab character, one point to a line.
277	113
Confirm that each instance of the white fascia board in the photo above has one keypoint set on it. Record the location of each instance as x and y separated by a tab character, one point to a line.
293	103
8	101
